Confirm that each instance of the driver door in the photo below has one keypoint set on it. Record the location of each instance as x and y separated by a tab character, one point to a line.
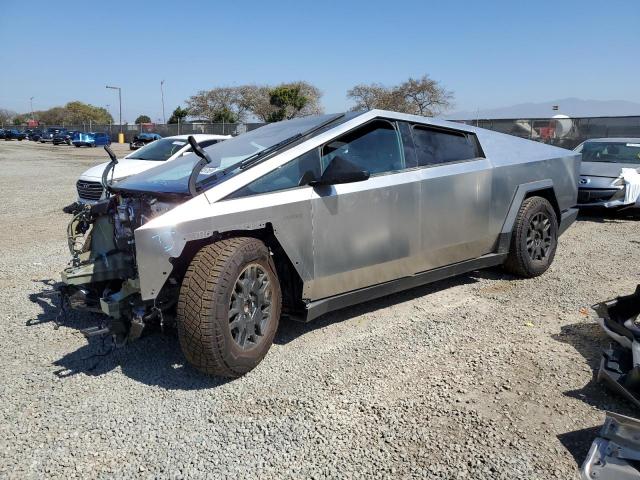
366	232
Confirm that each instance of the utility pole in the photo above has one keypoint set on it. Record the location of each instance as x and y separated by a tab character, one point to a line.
119	101
164	119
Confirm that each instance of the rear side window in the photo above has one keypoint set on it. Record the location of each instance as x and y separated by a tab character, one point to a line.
374	147
435	146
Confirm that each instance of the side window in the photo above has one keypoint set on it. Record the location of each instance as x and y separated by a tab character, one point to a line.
208	143
434	146
287	176
375	147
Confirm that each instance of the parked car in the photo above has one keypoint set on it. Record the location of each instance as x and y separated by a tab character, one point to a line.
305	216
142	139
2	130
91	139
602	183
164	150
65	137
14	134
49	133
34	134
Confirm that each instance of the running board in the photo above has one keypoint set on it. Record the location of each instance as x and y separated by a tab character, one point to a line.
325	305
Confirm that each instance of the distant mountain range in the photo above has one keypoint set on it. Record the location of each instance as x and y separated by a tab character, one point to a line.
574	107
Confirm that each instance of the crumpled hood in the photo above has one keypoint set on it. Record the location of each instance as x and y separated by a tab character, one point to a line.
604	169
124	168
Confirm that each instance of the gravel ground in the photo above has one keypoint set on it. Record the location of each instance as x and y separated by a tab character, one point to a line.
481	376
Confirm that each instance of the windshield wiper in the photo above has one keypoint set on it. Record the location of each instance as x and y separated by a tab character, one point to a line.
247	162
251	159
205	159
109	168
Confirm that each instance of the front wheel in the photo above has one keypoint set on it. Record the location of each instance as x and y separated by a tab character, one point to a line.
534	238
229	307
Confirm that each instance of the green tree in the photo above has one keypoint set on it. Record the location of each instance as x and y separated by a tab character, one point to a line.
20	119
266	103
288	101
53	116
79	112
142	119
178	115
224	116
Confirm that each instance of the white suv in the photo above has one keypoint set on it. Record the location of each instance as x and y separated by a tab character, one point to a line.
89	185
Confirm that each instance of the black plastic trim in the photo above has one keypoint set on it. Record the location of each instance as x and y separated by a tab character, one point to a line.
325	305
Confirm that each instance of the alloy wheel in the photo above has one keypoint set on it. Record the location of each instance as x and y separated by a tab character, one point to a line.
539	239
250	306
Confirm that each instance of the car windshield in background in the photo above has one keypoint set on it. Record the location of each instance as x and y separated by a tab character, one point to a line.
159	150
611	152
172	177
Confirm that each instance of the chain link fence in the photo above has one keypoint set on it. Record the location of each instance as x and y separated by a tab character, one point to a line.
165	130
562	132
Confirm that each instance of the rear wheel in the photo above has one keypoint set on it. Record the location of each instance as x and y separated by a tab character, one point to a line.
229	307
534	238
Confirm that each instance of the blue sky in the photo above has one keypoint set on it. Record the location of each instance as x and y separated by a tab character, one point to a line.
489	53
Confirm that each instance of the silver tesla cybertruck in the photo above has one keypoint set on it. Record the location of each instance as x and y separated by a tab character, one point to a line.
310	215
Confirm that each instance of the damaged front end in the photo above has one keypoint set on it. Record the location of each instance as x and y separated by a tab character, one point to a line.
102	275
620	363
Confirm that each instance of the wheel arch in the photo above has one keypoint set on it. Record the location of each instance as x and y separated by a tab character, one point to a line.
540	188
291	284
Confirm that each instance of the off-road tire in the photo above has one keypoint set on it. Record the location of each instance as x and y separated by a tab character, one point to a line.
519	261
204	302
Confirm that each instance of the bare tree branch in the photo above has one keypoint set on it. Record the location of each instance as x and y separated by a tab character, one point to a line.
422	96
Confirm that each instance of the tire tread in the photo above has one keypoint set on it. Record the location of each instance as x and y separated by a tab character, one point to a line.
202	299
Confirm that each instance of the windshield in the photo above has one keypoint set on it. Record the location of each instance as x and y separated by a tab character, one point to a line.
159	151
172	177
611	152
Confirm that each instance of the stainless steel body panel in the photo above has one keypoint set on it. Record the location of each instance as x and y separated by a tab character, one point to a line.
289	213
400	224
346	237
364	233
455	207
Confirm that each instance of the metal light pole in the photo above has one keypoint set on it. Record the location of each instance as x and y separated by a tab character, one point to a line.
120	102
31	102
109	112
164	119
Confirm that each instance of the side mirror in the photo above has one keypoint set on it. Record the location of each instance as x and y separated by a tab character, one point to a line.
339	171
